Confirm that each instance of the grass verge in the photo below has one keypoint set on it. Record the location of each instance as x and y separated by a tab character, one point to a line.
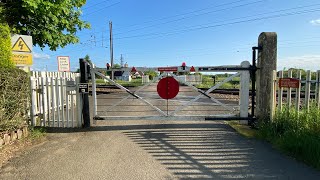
297	134
294	133
242	129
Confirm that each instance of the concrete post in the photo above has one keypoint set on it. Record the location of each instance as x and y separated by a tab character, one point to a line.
267	63
244	92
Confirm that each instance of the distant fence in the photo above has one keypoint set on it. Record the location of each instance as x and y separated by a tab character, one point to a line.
307	92
54	99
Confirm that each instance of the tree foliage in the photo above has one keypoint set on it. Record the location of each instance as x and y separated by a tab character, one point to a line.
50	22
5	46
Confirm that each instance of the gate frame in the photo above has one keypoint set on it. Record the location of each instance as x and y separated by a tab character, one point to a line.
246	71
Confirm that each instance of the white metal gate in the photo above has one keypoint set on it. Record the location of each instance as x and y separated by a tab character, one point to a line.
143	102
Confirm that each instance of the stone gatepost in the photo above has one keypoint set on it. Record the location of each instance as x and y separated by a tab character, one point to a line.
267	63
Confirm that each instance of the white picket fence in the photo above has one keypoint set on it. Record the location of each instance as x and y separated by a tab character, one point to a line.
55	101
302	97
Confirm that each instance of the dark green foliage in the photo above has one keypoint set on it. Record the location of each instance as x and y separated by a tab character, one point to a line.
14	95
295	133
5	46
51	23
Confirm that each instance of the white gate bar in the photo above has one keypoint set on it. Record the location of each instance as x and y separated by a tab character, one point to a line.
33	101
280	92
289	92
133	94
58	101
141	88
48	99
62	101
207	92
169	118
94	90
307	90
72	109
53	101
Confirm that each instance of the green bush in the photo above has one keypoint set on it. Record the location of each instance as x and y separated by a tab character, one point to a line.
5	46
295	133
14	95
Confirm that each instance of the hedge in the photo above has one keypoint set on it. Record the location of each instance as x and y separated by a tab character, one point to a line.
5	46
14	97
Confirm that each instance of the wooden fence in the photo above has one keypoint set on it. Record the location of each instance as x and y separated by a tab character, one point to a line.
302	97
55	101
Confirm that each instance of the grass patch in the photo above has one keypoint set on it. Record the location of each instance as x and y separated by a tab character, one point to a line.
295	133
242	129
37	133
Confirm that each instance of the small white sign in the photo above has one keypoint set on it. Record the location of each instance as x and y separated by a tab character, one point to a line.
64	63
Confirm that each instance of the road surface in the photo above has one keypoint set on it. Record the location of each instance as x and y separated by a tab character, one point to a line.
154	150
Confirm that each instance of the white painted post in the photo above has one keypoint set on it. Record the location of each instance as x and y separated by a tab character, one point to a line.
307	90
62	101
58	101
53	101
298	92
72	109
33	101
48	87
289	90
244	92
67	105
280	92
274	95
94	91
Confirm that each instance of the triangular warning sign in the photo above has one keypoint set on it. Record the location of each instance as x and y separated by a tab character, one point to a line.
133	69
192	69
20	46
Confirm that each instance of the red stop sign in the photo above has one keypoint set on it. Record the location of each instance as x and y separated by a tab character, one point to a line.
168	88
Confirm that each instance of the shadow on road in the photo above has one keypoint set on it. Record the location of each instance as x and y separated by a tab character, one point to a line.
209	151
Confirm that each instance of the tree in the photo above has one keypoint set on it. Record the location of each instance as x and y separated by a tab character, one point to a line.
87	58
52	23
117	66
152	74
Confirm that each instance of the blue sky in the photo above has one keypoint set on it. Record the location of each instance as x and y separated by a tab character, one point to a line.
200	33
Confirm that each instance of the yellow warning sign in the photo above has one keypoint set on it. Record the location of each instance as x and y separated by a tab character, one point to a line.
22	59
20	46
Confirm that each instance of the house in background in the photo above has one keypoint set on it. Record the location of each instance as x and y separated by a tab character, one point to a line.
122	75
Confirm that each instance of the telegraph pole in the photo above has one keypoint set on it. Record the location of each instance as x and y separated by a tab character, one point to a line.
111	50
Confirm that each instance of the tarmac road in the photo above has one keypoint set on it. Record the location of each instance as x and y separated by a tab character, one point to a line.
154	150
